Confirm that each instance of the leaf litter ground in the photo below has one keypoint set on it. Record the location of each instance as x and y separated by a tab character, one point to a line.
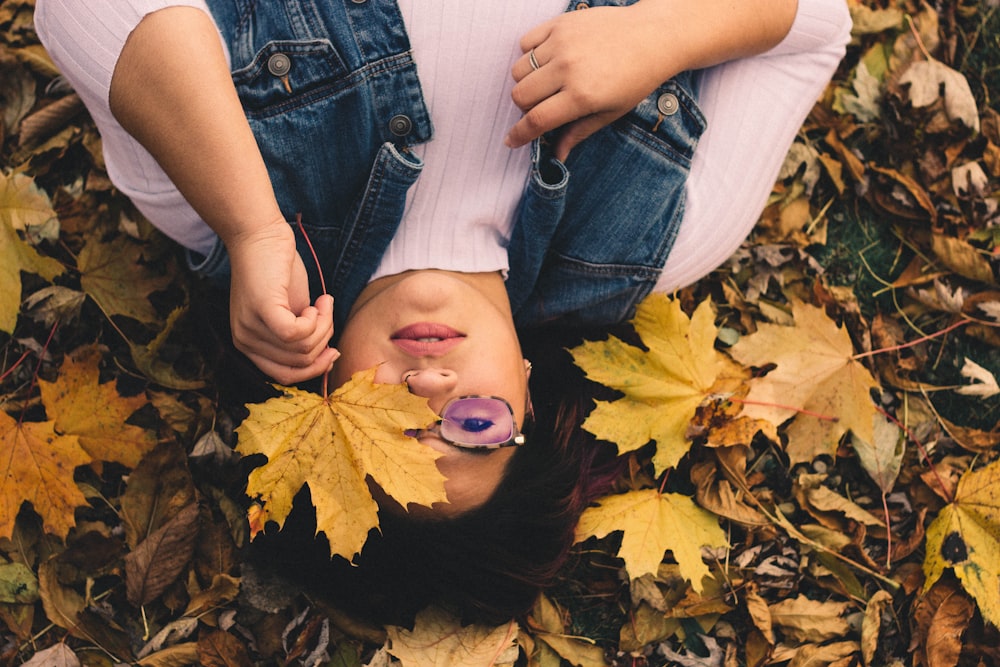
886	219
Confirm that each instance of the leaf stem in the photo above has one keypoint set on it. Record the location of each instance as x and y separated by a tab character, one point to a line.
888	533
322	284
921	449
922	339
15	365
808	413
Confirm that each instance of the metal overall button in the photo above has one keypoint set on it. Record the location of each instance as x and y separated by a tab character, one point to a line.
667	104
279	64
400	125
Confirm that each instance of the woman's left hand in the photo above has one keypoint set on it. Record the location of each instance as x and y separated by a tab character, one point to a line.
594	66
591	66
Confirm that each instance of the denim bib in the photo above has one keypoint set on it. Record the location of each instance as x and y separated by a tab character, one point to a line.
331	94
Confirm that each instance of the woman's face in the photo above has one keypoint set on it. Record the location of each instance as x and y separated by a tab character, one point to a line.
445	334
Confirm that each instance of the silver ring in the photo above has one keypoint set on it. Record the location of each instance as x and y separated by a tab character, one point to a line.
533	60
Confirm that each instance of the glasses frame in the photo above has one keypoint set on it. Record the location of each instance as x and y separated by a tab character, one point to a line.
516	439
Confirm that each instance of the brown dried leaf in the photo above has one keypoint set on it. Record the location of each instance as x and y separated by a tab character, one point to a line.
439	640
760	614
114	275
903	196
62	604
57	655
827	655
926	78
221	649
962	258
882	458
160	558
158	489
871	626
941	617
48	120
803	620
223	589
180	655
720	497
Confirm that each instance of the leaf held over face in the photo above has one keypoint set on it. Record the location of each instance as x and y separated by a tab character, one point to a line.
663	387
333	445
654	522
816	380
965	536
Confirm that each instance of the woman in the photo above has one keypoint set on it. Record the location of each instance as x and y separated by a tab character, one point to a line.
458	166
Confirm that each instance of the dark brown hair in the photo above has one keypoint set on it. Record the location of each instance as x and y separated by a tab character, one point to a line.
489	564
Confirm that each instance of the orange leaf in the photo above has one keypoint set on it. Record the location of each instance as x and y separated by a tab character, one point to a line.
36	466
95	412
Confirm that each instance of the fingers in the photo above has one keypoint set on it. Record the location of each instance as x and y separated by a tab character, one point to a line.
552	96
575	133
288	347
291	374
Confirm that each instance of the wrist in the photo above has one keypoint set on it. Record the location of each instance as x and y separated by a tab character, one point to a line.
271	229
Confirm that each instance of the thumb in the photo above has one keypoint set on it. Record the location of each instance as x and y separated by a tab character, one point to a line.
574	133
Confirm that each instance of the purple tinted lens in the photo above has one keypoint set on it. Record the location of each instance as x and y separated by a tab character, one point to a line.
477	422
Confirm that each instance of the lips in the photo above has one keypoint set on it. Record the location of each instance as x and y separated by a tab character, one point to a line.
427	339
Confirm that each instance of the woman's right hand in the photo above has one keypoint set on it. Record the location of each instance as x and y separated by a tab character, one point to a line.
273	322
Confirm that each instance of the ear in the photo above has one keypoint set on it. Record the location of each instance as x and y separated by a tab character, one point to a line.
527	369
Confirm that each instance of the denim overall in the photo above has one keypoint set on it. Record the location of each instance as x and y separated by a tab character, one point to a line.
331	93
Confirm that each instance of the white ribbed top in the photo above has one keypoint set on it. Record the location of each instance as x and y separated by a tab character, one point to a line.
459	213
471	182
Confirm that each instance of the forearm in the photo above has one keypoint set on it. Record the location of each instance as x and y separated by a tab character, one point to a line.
693	34
171	90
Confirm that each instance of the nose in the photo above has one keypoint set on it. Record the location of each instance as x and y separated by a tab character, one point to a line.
430	382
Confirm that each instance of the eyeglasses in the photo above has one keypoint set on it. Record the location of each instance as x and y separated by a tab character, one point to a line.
475	422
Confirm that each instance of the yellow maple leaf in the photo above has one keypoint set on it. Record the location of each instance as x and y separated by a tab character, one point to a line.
816	380
115	277
965	536
36	466
439	640
95	412
27	207
663	387
653	522
333	445
17	256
